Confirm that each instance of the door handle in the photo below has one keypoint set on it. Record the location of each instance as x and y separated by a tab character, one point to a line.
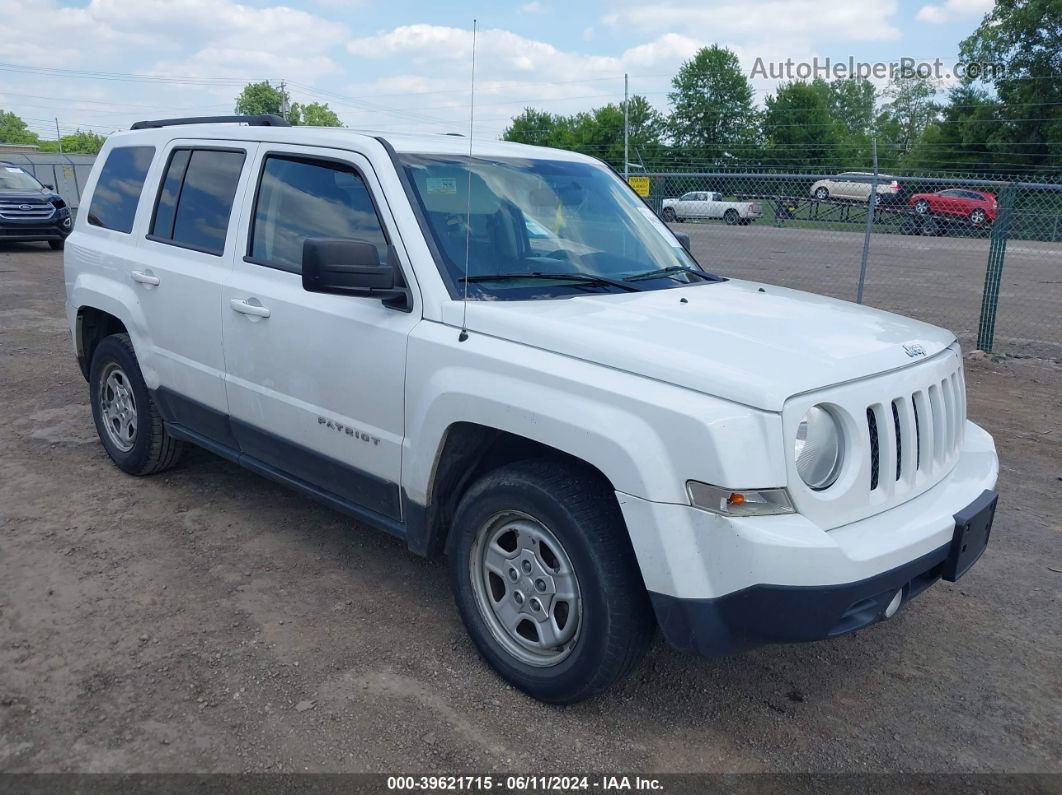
144	278
245	308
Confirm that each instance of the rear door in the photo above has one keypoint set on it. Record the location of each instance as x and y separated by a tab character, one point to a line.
315	382
182	261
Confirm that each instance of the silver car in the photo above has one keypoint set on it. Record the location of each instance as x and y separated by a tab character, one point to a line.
855	186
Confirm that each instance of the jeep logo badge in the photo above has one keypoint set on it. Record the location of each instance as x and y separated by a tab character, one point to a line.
915	350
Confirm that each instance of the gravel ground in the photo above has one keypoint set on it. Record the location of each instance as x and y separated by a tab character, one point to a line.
208	620
936	279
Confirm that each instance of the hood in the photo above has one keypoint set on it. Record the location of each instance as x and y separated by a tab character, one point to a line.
30	196
751	343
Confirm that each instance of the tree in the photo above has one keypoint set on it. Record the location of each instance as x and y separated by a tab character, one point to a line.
13	130
79	142
598	132
317	114
540	128
853	101
963	137
910	109
264	97
800	129
1025	38
712	111
260	98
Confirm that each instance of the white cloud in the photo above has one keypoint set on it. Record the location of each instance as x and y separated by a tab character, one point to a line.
952	9
219	43
534	7
512	72
761	20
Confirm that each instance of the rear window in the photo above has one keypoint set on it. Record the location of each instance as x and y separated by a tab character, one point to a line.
119	186
195	200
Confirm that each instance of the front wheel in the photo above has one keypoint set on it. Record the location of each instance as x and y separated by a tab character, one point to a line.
546	581
668	215
921	207
57	245
822	194
731	216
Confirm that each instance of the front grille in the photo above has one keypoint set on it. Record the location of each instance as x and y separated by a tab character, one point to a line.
26	211
919	432
875	457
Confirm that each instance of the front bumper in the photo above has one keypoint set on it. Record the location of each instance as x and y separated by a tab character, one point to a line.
721	584
58	227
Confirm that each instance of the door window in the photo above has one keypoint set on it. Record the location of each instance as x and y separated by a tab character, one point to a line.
299	199
195	199
119	186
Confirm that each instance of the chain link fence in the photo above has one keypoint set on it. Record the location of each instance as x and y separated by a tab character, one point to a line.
982	257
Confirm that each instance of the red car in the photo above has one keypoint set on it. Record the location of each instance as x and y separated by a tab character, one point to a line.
977	207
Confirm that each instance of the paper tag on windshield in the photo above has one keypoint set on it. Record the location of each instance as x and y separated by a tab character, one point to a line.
661	227
13	170
442	185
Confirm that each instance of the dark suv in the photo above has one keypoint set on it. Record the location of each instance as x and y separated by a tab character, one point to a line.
30	210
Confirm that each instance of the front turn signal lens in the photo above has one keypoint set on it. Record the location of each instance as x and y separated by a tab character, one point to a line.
738	502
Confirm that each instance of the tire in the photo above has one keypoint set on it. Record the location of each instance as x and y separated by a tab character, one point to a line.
822	194
921	207
668	214
57	245
978	217
731	216
538	520
116	386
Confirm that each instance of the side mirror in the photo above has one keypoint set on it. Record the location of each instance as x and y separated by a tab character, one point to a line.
683	238
49	187
351	267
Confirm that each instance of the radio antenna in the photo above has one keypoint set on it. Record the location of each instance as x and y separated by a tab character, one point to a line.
468	197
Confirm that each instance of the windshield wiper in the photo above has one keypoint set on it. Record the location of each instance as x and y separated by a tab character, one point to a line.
668	272
584	278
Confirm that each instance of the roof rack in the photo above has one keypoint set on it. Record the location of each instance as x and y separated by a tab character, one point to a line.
261	120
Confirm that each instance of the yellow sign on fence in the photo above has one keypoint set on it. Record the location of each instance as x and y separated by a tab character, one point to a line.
641	185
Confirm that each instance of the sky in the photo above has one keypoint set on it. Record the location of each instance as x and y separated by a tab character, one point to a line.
406	66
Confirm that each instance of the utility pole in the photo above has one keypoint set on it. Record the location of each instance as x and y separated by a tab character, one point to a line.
58	137
284	108
626	131
872	206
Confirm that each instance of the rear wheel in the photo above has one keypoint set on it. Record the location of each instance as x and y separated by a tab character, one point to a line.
978	217
546	581
127	420
731	216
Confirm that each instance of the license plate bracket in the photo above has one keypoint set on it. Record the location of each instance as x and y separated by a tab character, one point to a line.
973	525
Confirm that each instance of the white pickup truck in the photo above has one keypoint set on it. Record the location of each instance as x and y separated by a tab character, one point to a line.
699	205
508	358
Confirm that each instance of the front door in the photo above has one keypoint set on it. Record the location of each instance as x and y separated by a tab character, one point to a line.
315	381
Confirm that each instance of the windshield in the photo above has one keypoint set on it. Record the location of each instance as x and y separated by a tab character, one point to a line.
538	225
14	178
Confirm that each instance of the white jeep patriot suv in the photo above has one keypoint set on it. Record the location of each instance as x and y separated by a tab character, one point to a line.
508	358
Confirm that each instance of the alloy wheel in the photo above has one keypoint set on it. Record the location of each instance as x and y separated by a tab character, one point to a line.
526	588
118	407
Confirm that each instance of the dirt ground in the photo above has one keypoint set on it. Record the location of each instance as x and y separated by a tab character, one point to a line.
208	620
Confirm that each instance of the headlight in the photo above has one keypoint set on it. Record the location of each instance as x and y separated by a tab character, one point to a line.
819	448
